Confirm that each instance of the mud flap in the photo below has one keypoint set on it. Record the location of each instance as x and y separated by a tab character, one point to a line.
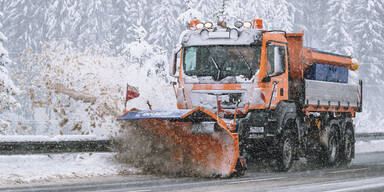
199	153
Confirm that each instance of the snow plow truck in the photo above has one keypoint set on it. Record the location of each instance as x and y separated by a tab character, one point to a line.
243	92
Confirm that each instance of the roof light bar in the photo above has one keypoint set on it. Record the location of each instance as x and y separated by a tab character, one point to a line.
193	24
247	24
238	24
258	23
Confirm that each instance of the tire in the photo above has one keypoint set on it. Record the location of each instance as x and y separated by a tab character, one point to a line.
285	153
347	147
332	151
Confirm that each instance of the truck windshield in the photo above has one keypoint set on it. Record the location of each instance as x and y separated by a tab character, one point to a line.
221	61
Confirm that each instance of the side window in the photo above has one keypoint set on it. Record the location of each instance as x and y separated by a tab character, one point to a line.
270	59
190	59
275	60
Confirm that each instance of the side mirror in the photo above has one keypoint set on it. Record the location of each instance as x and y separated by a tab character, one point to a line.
175	59
266	79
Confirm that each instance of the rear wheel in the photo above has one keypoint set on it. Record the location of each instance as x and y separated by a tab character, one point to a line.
347	148
331	152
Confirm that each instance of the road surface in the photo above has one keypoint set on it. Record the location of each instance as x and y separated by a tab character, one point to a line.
366	173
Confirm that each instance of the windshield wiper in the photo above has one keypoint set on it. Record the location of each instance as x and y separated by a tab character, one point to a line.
245	61
217	67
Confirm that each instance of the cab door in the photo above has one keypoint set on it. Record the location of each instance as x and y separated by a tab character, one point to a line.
276	79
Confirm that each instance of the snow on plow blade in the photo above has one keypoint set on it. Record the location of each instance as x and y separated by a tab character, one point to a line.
205	145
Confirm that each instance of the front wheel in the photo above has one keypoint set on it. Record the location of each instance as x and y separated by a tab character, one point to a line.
286	153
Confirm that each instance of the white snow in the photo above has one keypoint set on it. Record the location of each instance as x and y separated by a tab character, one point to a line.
369	146
82	92
16	169
7	88
56	138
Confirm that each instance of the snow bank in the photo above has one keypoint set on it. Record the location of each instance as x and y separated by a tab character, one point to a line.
369	146
56	138
31	168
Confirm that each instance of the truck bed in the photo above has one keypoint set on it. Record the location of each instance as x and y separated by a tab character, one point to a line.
329	94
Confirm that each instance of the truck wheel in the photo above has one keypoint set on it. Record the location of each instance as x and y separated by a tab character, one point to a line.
332	150
347	148
286	153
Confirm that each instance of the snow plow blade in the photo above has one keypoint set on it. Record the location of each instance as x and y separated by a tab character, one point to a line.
205	144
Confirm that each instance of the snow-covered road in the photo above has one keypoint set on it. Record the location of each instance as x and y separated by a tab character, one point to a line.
24	169
365	174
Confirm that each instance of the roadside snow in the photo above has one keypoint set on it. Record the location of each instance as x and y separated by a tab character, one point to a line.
57	138
47	167
369	146
16	169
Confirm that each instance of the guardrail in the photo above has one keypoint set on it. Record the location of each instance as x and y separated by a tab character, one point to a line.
33	147
68	146
369	136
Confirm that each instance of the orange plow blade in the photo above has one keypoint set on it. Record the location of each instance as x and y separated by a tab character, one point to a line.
204	144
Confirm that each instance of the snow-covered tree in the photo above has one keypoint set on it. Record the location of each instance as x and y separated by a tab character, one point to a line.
164	29
95	24
7	87
276	14
192	12
284	15
209	9
310	19
368	28
337	36
124	16
61	20
23	20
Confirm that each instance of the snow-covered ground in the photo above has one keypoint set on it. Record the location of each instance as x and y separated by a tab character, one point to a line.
56	138
369	146
17	169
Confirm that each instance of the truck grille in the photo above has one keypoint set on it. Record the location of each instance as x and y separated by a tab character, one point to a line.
228	98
